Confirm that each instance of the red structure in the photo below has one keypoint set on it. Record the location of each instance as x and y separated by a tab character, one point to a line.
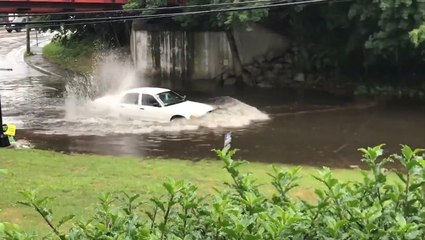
49	6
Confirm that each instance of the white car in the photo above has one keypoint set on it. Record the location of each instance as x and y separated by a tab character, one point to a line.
17	24
160	105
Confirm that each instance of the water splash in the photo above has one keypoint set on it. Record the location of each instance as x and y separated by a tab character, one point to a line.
21	144
102	118
88	114
113	73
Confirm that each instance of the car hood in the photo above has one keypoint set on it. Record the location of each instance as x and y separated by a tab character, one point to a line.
191	108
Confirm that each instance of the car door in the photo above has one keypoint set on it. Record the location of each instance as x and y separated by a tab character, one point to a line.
130	106
154	109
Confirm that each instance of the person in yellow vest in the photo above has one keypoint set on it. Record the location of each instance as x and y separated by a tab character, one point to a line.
9	130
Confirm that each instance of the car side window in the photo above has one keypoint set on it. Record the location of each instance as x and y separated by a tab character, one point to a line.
149	100
130	98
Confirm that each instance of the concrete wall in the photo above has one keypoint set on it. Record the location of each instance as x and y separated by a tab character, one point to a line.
197	55
259	42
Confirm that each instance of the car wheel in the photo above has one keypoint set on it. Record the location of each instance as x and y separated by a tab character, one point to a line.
177	118
9	30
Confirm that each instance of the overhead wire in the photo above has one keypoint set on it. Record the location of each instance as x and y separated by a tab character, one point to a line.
84	21
140	10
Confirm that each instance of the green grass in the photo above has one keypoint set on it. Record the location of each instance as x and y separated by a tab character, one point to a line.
75	56
76	181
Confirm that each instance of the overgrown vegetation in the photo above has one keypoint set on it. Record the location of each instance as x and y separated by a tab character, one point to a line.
418	35
81	179
373	208
375	44
74	56
352	43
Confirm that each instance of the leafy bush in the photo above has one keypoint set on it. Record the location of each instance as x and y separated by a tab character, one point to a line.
74	56
375	208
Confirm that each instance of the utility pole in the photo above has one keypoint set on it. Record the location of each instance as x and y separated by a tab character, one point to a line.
28	28
4	140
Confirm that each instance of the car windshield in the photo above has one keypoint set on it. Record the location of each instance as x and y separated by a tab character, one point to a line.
170	98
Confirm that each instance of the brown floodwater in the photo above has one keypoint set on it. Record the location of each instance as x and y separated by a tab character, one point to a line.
267	125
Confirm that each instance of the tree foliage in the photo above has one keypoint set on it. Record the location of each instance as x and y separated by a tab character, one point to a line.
358	36
418	35
225	20
110	34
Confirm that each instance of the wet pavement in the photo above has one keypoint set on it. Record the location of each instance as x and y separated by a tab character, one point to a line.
269	125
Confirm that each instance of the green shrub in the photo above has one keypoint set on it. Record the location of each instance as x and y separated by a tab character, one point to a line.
74	56
373	208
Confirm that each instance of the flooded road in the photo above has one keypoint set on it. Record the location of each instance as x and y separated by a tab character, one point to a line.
268	125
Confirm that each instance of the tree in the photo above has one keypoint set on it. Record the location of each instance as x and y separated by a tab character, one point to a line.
111	34
418	35
133	4
231	20
357	36
394	19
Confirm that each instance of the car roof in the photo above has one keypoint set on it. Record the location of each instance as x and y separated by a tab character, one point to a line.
148	90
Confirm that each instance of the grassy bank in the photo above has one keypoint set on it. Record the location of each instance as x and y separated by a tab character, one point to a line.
75	56
76	181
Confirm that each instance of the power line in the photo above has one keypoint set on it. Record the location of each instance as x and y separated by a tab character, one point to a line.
140	10
166	15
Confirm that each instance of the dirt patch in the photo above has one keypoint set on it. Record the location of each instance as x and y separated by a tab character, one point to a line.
11	215
306	194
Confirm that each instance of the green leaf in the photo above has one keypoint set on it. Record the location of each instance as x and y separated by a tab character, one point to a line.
400	219
65	219
418	151
401	176
407	152
158	203
414	234
268	227
169	187
28	195
411	164
25	203
252	237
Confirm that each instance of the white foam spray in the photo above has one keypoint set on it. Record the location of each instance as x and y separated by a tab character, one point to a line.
92	105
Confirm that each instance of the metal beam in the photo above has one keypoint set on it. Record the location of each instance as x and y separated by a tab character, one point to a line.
27	7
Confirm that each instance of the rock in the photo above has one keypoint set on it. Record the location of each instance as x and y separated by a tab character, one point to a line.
270	75
229	81
270	56
278	66
260	79
266	67
280	60
256	72
285	80
299	77
259	60
248	80
264	85
250	68
288	59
